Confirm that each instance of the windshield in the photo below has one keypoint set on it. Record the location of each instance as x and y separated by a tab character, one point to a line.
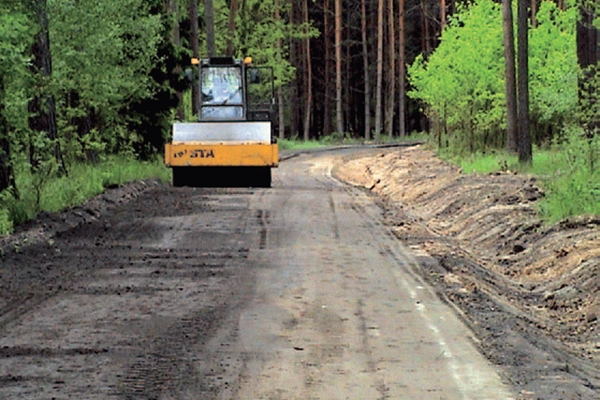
222	95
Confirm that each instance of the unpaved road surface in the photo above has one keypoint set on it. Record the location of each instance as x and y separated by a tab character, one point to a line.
302	291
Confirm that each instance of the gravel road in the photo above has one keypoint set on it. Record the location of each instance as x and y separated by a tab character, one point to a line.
294	292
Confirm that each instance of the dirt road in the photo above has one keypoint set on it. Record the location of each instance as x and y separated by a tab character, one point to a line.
295	292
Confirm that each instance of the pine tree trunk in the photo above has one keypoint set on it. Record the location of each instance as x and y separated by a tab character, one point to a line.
426	44
309	94
231	26
365	47
42	107
280	108
587	58
442	15
338	67
280	113
296	60
194	44
587	38
378	88
509	74
402	69
173	9
524	141
349	116
327	44
210	25
391	84
7	180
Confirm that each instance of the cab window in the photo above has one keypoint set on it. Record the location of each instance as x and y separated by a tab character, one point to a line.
222	96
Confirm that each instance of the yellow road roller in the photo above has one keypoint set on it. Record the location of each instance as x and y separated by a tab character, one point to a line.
232	143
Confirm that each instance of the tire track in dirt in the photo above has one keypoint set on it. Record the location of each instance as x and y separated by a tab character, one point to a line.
122	303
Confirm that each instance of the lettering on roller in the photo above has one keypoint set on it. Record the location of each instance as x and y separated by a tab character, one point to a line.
195	153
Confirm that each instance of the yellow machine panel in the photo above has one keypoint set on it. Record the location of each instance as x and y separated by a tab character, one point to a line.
221	154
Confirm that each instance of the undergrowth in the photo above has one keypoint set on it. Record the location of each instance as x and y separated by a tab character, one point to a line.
569	173
83	182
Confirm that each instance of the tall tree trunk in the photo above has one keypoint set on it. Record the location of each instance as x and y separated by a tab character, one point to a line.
391	84
443	19
210	26
338	67
296	60
348	116
309	94
378	88
231	27
43	107
587	58
327	43
426	39
7	179
534	8
365	46
194	44
173	9
509	74
587	38
280	109
524	141
402	69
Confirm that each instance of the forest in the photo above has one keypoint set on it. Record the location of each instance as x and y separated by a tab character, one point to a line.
93	85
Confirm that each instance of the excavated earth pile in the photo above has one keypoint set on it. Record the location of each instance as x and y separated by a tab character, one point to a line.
528	290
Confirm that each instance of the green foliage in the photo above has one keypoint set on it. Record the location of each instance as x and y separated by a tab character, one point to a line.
462	83
16	38
103	53
553	70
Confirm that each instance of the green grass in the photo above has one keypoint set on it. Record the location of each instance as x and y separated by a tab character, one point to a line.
291	144
571	187
83	182
573	194
336	139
